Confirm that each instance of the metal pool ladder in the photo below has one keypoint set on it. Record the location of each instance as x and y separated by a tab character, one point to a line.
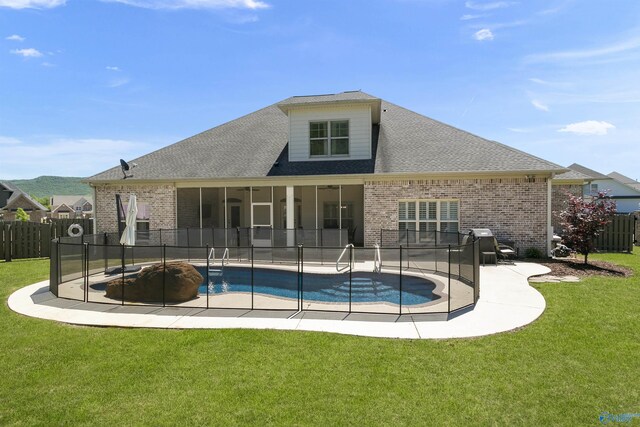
212	261
344	251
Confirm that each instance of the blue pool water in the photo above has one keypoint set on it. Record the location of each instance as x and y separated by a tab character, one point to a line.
365	287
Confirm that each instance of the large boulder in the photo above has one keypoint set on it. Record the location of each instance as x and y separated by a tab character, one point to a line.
181	282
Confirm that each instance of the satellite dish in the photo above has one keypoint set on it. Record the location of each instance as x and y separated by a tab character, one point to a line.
126	167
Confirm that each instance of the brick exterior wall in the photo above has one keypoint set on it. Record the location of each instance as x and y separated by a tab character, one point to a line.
160	198
559	202
513	208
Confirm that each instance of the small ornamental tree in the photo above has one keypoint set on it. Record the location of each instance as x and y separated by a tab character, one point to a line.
21	215
583	220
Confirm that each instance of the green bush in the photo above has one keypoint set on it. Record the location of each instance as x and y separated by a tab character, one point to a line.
533	253
21	215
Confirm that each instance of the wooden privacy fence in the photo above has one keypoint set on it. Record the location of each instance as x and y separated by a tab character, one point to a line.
32	239
618	236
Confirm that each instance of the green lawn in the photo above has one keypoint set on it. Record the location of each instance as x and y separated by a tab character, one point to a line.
582	357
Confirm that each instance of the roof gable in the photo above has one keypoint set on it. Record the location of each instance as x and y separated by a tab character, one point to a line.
16	194
588	172
625	180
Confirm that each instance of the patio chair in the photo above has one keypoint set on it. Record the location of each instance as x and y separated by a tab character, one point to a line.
503	250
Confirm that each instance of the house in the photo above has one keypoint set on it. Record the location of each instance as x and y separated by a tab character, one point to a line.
626	194
348	160
12	198
71	207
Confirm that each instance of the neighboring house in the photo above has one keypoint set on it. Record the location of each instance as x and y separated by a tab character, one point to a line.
625	180
12	198
348	160
627	196
71	207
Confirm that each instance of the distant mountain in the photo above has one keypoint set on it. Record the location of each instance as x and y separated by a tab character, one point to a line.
46	186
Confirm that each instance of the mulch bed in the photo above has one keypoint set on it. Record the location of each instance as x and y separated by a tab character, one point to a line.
577	267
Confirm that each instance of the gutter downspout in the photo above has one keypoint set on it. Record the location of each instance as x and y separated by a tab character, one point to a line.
549	226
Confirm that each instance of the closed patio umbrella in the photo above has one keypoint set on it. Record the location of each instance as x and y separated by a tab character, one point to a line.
128	237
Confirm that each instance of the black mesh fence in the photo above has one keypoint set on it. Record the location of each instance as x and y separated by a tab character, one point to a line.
192	272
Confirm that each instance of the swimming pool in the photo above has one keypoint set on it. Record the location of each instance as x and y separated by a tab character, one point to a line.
365	287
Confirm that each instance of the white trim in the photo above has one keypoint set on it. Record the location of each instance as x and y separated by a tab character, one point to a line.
438	221
328	139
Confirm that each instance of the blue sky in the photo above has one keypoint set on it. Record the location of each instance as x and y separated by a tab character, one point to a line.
86	82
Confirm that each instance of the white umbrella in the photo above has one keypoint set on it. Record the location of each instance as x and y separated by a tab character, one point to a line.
129	234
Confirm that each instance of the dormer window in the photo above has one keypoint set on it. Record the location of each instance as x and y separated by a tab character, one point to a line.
330	138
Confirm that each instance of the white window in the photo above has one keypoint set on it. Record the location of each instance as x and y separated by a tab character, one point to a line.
594	188
428	215
63	215
329	138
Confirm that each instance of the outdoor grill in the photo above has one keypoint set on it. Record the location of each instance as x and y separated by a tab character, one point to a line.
486	242
489	246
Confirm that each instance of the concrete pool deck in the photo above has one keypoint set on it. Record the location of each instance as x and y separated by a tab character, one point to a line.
506	302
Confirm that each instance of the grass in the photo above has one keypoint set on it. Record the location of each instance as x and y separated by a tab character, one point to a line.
582	357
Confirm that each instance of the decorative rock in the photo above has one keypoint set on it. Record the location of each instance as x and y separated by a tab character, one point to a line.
181	282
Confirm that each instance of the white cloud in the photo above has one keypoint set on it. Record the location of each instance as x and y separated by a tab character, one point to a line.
31	4
589	127
119	82
538	81
470	17
27	53
48	64
55	156
569	55
483	34
194	4
15	38
539	105
110	68
488	6
499	25
7	140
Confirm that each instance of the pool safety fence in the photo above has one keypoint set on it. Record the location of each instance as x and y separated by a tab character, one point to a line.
391	280
227	237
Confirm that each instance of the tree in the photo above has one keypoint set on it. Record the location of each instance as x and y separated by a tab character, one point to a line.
21	215
583	220
44	201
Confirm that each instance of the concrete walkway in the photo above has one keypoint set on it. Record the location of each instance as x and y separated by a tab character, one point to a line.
506	302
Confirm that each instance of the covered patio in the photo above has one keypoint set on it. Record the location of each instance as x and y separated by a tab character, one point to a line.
267	208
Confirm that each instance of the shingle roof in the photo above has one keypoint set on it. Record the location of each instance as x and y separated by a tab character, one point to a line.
410	142
250	146
16	193
625	180
571	176
588	172
71	201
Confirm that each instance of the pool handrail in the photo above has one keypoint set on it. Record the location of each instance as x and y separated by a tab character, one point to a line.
377	259
350	245
212	256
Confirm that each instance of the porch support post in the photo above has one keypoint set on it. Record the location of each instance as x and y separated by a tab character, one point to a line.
291	210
